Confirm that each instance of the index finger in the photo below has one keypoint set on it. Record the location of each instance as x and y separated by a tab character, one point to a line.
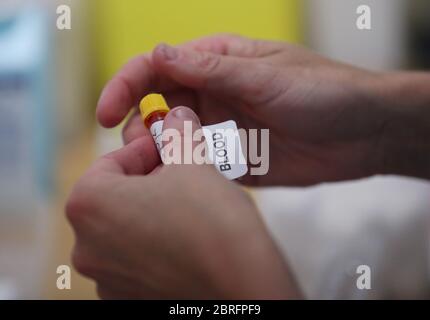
138	77
124	90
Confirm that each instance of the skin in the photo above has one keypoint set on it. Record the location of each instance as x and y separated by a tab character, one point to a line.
144	231
140	235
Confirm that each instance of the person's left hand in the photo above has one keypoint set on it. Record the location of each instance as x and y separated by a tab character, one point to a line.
181	231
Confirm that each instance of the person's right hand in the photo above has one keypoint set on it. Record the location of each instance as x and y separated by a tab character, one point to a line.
326	119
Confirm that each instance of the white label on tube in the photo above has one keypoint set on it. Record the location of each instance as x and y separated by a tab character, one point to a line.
224	147
156	131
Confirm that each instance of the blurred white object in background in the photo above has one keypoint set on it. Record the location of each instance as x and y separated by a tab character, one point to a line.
332	31
26	149
327	231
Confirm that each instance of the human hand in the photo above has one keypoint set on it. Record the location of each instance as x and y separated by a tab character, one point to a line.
324	117
174	231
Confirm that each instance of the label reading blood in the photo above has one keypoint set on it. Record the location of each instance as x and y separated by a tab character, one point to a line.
223	146
225	149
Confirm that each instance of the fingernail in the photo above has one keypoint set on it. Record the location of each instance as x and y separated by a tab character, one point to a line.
169	53
184	113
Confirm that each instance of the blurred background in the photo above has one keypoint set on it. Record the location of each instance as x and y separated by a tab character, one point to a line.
50	81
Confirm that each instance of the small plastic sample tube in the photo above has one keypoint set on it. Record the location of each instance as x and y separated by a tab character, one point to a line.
153	109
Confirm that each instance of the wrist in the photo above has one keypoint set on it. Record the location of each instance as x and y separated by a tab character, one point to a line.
405	131
259	269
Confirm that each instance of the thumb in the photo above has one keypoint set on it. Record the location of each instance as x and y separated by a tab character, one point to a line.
183	139
233	76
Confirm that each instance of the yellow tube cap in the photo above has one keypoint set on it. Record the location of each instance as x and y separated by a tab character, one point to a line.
151	103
